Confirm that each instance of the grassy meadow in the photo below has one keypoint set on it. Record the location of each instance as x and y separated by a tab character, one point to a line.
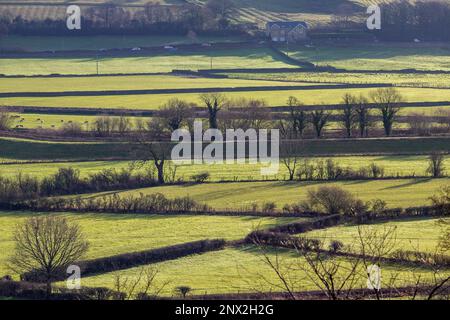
111	234
393	166
57	43
137	82
15	149
234	270
376	56
272	98
399	79
221	59
406	234
397	193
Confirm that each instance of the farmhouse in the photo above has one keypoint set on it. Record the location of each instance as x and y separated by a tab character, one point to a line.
282	31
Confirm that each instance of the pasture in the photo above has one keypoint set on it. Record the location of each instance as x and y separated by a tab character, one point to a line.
58	43
393	166
14	149
272	98
111	234
223	59
397	193
400	79
234	270
414	234
122	83
376	56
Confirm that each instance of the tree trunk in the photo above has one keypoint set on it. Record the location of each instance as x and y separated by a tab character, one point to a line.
160	168
48	288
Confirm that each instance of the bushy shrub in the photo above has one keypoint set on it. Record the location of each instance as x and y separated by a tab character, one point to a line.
441	200
152	204
6	120
68	181
332	200
269	207
200	177
335	246
72	129
329	169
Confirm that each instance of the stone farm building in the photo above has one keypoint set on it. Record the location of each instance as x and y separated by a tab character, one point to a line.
282	31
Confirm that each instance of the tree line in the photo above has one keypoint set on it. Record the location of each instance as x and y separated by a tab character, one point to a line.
113	19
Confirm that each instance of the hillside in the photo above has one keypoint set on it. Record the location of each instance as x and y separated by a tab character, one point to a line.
255	11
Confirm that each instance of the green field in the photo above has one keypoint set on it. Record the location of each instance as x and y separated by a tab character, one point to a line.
397	193
223	59
24	149
272	98
377	56
68	84
115	234
393	166
56	43
400	79
233	271
413	235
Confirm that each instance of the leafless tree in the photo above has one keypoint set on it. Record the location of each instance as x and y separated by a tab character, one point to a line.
332	200
221	8
387	100
349	113
290	151
436	165
214	102
183	291
363	116
175	113
419	124
140	287
47	244
320	120
6	120
254	115
157	152
298	118
373	245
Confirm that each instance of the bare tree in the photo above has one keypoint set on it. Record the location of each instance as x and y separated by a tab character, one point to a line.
47	244
332	200
387	100
290	156
214	102
374	245
363	116
254	114
320	120
419	124
175	112
183	291
140	287
221	8
349	113
6	120
157	152
441	200
436	165
297	117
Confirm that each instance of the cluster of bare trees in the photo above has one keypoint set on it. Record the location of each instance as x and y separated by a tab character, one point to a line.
406	20
350	271
112	18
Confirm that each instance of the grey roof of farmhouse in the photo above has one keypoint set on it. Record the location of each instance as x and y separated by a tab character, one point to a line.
287	24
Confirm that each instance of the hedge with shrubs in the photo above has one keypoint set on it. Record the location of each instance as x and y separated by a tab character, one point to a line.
129	260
